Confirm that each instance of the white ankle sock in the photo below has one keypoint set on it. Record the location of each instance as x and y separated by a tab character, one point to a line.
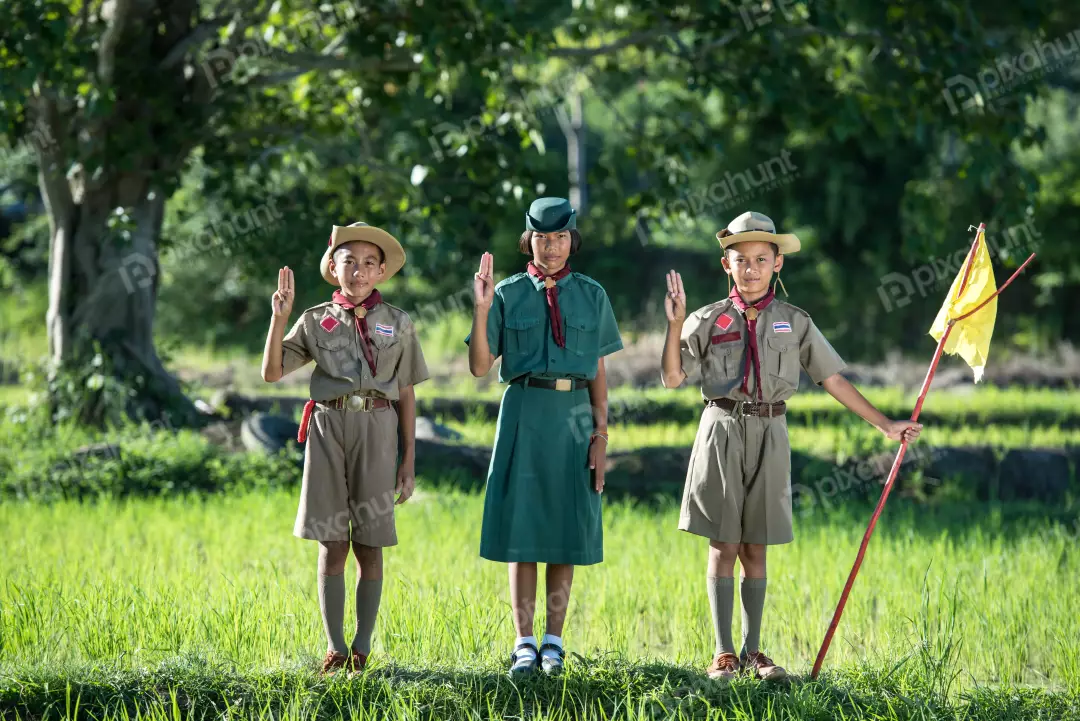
554	640
525	656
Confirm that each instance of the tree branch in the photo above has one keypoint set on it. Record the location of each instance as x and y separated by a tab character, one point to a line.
118	10
200	34
302	62
639	37
52	176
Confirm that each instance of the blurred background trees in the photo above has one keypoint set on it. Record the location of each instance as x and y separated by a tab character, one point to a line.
164	157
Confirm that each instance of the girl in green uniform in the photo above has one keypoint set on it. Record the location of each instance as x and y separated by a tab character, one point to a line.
552	327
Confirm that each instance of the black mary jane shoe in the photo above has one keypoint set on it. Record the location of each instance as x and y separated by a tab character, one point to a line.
552	665
521	666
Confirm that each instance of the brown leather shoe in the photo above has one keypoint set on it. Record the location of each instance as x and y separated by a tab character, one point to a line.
724	667
357	662
333	662
763	667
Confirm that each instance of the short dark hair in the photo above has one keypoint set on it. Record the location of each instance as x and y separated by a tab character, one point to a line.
525	242
382	255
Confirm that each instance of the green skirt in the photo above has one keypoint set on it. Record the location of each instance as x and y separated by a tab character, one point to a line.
540	504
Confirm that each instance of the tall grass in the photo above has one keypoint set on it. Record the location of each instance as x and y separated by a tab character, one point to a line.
134	584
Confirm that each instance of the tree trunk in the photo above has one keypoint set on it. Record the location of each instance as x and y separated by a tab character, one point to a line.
103	284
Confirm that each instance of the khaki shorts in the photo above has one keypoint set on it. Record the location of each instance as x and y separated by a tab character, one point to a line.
729	496
350	470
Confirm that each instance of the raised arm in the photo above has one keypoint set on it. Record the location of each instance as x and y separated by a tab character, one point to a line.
675	307
281	304
480	356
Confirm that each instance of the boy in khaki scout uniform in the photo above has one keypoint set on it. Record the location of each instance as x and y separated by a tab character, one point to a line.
367	357
748	348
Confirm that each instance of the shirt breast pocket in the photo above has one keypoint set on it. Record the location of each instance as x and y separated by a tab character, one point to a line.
388	350
581	336
784	362
721	357
335	354
524	335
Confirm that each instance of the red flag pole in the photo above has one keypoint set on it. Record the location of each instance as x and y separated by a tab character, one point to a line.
892	472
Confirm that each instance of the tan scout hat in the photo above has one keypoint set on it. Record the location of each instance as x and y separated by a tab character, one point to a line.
393	253
757	226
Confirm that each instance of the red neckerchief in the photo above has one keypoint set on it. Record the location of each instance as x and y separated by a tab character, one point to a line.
751	336
359	315
552	299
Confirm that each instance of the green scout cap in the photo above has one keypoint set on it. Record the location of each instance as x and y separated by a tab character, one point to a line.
550	215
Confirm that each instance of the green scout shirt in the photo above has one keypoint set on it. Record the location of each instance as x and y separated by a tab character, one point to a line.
714	344
519	328
327	334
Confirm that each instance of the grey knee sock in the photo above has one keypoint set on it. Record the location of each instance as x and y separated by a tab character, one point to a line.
332	605
752	593
368	595
722	603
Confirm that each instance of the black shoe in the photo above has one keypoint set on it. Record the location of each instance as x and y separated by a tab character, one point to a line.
520	663
551	665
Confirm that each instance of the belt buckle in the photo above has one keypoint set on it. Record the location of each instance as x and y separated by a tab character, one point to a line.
564	384
359	403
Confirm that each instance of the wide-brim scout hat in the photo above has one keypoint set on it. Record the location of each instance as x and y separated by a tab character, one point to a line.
393	253
550	215
757	226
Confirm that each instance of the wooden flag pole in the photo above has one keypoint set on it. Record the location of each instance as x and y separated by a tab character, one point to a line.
903	448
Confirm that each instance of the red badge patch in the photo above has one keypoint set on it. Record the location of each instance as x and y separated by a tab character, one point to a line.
329	323
724	321
726	337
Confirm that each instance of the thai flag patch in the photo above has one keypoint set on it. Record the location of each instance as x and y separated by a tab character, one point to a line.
329	323
381	329
781	326
724	321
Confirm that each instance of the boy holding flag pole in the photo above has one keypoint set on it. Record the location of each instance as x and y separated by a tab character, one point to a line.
749	349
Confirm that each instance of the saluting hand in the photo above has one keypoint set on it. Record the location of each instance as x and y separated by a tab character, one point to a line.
675	300
282	300
598	461
483	283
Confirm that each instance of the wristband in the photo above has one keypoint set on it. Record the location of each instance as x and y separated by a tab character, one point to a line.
598	434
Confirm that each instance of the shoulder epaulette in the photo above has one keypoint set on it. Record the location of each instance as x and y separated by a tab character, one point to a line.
511	279
793	307
587	279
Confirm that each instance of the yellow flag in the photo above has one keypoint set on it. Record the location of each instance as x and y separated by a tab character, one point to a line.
970	338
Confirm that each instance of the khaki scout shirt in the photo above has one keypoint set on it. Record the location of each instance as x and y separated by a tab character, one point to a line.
714	344
327	334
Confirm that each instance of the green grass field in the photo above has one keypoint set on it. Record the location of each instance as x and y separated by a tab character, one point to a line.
204	606
115	605
823	440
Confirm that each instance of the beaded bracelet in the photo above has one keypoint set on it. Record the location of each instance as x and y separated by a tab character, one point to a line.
598	434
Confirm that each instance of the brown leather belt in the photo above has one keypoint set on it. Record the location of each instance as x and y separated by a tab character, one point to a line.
749	408
354	402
